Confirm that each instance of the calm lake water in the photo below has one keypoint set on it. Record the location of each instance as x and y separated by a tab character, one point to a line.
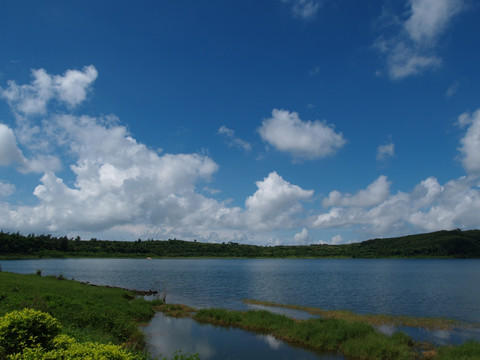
416	287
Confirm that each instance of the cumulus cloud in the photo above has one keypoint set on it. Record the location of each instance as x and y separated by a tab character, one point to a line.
413	49
470	143
385	151
275	203
286	132
374	194
118	181
232	140
70	88
303	237
428	207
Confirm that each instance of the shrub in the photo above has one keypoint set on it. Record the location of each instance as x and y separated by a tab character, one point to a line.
87	351
27	328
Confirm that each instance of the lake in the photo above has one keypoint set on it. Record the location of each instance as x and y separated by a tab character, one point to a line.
447	288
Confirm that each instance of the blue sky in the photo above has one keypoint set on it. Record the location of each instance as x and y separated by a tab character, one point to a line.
265	122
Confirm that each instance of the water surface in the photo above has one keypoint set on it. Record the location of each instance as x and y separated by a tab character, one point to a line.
167	335
416	287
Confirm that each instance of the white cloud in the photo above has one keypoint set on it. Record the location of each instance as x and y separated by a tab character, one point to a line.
404	60
385	151
9	151
413	49
302	139
303	237
276	203
374	194
429	18
10	154
118	181
6	189
232	140
428	207
470	143
337	239
71	88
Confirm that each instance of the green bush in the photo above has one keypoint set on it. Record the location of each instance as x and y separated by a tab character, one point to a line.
33	335
27	328
74	350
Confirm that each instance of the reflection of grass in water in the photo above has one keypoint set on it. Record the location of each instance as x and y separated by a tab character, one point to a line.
372	319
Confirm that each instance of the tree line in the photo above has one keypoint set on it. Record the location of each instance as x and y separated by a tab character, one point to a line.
439	244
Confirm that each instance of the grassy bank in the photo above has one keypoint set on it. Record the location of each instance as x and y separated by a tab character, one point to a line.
350	334
86	312
355	339
372	319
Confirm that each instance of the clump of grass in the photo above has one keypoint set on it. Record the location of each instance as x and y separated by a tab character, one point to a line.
175	310
372	346
372	319
356	340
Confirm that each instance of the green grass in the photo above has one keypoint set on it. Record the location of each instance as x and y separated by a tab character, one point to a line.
86	312
356	340
372	319
467	351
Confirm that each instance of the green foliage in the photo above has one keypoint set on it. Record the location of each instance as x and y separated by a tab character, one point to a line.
17	326
440	244
27	328
87	351
469	350
87	312
178	355
378	347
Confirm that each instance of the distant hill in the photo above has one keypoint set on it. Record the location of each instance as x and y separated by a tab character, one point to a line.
439	244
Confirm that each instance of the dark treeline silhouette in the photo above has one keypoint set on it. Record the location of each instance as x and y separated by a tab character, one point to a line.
440	244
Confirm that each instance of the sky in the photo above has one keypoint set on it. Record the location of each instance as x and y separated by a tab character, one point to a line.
258	122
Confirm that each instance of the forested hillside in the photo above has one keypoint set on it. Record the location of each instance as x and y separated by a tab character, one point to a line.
440	244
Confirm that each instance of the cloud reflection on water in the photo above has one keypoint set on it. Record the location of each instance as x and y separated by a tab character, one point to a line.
168	335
